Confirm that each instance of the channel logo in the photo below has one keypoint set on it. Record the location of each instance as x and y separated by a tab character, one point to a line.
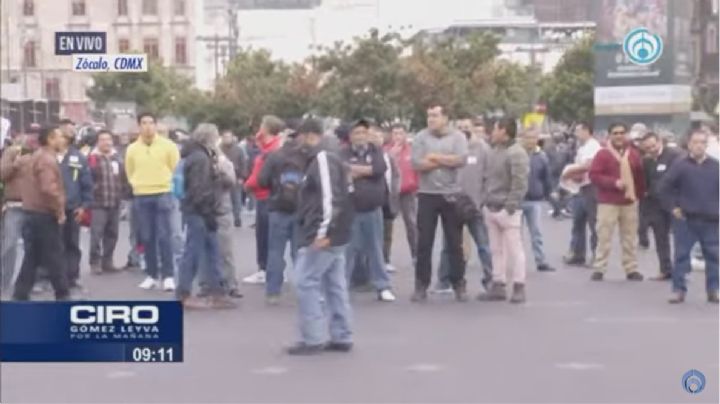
693	381
642	47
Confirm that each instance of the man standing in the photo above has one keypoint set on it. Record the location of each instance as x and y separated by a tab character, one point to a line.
468	176
324	220
617	173
401	151
540	186
268	140
43	197
108	178
381	139
79	199
282	173
367	168
658	161
505	183
236	155
691	188
149	164
437	153
584	203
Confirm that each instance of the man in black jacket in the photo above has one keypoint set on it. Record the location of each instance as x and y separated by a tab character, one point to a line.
324	219
282	173
201	207
656	209
367	169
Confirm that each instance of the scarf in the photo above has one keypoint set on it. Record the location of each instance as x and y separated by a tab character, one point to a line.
626	175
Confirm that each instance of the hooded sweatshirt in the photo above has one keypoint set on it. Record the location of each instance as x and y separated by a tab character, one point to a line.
267	145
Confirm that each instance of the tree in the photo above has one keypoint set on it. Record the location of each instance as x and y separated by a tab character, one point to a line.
568	90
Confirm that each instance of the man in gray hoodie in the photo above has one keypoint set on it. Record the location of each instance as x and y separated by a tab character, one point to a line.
505	183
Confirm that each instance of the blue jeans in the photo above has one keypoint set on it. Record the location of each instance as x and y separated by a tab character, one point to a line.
479	233
531	213
201	253
367	238
320	274
584	210
281	232
687	232
155	231
177	223
12	220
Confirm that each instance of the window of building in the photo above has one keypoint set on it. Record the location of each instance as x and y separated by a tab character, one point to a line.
180	51
149	7
124	45
78	7
711	43
29	54
179	7
29	8
52	89
122	7
151	48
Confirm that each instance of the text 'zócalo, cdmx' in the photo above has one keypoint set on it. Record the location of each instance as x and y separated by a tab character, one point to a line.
110	63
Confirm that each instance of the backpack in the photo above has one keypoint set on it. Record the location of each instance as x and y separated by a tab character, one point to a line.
178	181
291	177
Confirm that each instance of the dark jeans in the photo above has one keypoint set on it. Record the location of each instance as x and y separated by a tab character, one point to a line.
660	222
430	207
103	235
154	231
584	209
43	248
281	233
643	223
237	201
201	253
387	238
262	233
687	232
479	233
71	242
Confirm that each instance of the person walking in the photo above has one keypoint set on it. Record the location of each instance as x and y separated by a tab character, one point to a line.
401	152
149	165
108	178
201	209
268	140
691	189
324	220
438	152
43	199
617	172
505	184
658	161
540	186
367	168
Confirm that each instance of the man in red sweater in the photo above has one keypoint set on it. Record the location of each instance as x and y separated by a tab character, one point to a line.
617	173
268	140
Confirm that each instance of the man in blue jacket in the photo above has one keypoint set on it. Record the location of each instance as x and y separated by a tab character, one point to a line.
79	192
539	189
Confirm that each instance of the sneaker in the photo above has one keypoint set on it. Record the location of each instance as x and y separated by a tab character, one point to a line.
40	287
168	284
390	268
257	278
386	295
545	268
272	300
597	276
497	293
303	349
419	296
441	289
339	346
677	298
518	294
221	303
635	276
713	297
149	283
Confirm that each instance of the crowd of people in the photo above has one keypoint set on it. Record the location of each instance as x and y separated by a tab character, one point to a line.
330	201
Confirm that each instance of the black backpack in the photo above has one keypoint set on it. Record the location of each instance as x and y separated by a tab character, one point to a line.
288	186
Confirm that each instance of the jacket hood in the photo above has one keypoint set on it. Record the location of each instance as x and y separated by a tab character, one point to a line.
191	147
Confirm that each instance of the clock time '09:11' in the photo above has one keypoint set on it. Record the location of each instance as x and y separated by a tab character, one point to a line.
154	354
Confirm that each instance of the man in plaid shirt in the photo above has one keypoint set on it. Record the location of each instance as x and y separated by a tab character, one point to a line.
108	179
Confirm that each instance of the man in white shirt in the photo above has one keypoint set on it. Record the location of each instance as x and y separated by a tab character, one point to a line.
584	203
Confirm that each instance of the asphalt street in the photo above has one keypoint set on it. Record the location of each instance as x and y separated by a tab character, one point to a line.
574	341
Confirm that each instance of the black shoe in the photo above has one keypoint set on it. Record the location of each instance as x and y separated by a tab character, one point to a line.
339	346
518	294
644	245
574	261
235	294
419	296
545	268
713	297
238	223
461	293
303	349
677	298
597	276
635	276
496	293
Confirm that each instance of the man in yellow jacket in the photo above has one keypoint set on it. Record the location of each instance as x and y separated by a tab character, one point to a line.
149	163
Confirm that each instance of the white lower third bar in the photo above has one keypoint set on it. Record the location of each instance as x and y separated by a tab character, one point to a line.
110	63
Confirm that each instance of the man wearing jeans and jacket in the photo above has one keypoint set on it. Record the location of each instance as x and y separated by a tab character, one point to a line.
401	151
539	189
325	215
505	183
